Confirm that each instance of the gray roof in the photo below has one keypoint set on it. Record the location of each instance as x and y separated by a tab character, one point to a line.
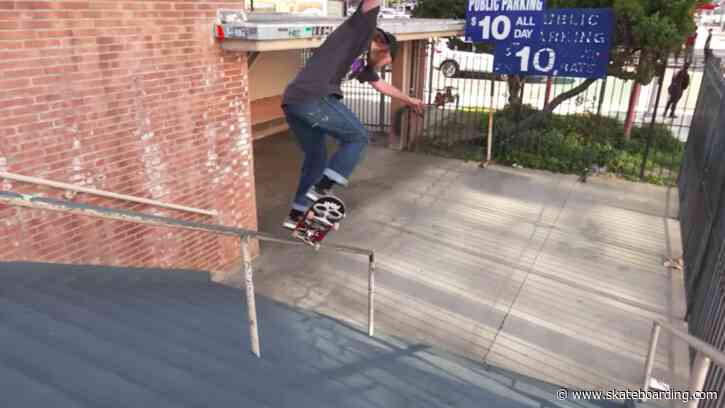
74	336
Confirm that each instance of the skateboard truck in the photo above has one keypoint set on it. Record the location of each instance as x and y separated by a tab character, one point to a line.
323	216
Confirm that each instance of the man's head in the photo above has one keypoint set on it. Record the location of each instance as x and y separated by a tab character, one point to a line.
686	66
383	49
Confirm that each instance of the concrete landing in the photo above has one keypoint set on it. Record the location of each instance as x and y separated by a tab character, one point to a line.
529	271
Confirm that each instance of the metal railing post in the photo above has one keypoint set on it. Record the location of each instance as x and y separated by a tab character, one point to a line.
88	210
251	299
371	296
651	355
698	376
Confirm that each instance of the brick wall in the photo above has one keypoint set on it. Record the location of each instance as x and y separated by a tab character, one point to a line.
133	97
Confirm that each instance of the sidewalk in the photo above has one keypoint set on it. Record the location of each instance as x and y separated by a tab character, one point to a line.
529	271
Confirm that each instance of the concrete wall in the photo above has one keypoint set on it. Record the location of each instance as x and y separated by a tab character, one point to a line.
335	8
133	97
271	72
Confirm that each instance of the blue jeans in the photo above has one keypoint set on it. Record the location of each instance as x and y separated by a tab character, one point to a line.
311	122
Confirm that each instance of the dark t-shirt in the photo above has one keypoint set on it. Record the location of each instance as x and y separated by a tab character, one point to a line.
680	82
325	70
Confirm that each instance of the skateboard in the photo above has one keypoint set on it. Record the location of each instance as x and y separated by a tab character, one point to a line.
322	217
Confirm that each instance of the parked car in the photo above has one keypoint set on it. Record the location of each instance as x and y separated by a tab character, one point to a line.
452	62
711	17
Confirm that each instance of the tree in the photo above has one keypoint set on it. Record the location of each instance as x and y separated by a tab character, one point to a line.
645	32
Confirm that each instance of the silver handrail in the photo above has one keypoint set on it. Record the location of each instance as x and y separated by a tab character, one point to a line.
51	204
706	354
101	193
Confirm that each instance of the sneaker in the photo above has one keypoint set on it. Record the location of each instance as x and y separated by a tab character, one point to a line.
315	194
291	223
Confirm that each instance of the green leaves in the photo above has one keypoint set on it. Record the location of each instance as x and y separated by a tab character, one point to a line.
645	29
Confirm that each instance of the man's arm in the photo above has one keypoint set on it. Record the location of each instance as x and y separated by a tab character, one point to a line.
369	5
387	89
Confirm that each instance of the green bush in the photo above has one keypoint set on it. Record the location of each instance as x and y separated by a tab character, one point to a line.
565	144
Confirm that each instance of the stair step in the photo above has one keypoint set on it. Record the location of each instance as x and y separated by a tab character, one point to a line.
14	274
19	390
225	364
178	385
74	377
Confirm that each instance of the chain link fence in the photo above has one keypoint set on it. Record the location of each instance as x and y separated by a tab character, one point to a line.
702	216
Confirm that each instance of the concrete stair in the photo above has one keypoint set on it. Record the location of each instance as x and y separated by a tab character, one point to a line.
74	336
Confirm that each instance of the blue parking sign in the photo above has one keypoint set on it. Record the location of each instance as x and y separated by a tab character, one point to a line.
573	43
533	41
504	20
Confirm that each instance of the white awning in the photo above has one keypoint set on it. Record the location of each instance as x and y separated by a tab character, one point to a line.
277	31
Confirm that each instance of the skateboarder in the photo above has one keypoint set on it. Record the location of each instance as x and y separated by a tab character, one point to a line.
313	107
679	83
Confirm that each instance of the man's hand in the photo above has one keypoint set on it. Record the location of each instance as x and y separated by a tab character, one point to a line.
387	89
369	5
416	104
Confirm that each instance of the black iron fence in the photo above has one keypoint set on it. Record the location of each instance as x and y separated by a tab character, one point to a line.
702	216
586	132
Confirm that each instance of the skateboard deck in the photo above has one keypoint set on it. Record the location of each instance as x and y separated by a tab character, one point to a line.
323	216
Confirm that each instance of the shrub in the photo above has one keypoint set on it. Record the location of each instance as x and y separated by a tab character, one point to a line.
564	144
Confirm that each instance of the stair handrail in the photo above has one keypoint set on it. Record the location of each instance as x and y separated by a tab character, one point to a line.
706	354
53	204
102	193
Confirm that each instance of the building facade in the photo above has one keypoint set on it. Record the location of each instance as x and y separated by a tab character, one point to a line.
133	97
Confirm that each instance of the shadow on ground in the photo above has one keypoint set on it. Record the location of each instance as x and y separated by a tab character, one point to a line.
83	336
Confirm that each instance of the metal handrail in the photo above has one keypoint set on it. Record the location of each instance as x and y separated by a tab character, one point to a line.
706	354
101	193
51	204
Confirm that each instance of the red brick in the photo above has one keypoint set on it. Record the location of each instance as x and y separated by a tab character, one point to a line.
36	5
76	5
97	94
55	34
11	45
24	73
9	25
43	44
16	35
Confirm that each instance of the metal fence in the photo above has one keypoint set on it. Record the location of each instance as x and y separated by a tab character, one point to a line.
702	216
460	90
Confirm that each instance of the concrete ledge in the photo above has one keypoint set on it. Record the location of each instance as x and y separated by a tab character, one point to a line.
25	273
276	32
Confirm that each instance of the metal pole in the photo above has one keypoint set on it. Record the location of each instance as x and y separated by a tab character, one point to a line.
651	356
371	296
489	143
698	376
381	113
601	96
652	123
547	94
251	300
101	193
431	61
